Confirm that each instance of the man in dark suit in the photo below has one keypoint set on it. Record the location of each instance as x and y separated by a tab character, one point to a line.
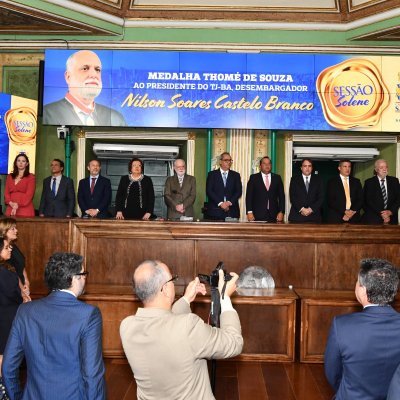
94	193
344	195
363	348
60	339
306	195
381	197
83	77
180	192
265	196
58	193
224	189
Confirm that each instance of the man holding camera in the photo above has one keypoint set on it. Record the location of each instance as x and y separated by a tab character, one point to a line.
167	346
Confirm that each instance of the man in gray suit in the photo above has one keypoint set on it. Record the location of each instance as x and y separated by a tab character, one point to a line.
58	193
180	192
167	346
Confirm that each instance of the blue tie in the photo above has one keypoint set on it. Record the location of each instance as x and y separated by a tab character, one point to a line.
224	177
53	187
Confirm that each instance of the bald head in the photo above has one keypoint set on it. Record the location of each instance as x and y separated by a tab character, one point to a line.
148	278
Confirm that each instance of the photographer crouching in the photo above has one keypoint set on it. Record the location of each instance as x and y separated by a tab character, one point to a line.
167	346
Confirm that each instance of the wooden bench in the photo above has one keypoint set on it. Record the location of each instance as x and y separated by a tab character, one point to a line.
267	318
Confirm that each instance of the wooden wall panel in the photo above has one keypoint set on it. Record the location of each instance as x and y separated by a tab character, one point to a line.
112	261
338	263
288	263
38	239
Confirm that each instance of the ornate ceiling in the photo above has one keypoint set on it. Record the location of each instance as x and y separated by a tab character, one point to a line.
60	17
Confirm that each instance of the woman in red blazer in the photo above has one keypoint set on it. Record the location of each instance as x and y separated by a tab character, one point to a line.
20	188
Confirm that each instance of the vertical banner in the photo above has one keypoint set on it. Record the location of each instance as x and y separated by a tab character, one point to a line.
18	127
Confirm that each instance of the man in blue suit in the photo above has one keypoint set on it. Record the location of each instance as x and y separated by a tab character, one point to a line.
363	348
224	189
94	193
60	338
58	193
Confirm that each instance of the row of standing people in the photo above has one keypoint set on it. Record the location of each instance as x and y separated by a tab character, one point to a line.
265	195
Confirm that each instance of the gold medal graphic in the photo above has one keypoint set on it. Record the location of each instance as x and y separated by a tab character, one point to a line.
21	125
352	94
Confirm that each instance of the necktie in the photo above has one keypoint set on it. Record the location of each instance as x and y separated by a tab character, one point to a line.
224	174
384	194
266	182
92	185
53	187
307	184
180	180
347	192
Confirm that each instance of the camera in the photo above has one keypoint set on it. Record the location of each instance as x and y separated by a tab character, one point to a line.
213	278
62	132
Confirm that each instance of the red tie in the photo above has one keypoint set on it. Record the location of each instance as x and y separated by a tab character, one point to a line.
92	185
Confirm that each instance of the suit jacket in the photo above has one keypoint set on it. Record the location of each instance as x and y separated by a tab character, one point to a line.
60	338
337	199
216	192
258	197
299	197
100	199
62	112
373	200
156	338
174	195
362	353
60	205
394	387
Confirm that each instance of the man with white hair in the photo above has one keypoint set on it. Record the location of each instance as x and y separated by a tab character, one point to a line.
78	107
381	196
180	192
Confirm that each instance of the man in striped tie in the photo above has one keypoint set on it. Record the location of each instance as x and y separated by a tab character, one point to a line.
381	196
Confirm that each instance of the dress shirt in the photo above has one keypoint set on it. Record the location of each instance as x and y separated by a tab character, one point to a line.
58	180
266	176
90	180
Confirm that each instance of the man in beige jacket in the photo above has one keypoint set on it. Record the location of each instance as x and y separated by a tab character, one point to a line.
167	346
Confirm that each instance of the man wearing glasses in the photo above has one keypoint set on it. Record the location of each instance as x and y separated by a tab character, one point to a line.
167	346
60	338
224	189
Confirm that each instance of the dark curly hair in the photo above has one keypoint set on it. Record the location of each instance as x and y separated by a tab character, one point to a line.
60	269
380	278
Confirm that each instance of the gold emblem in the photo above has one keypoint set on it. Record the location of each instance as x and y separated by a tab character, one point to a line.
352	94
21	125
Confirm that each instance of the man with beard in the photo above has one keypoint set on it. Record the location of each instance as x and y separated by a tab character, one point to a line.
78	107
180	192
60	338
